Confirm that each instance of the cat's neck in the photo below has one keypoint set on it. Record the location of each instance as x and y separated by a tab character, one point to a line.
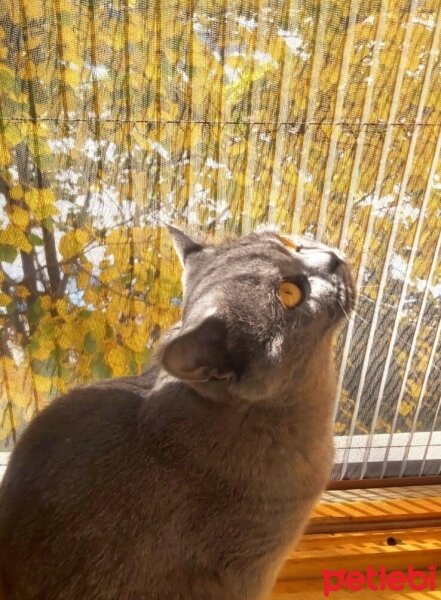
310	387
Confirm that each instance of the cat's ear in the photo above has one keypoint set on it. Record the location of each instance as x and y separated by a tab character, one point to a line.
184	244
199	354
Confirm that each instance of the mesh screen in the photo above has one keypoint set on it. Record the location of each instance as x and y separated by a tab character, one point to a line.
322	117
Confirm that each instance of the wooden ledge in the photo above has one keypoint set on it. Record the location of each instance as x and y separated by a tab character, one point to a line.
380	508
354	529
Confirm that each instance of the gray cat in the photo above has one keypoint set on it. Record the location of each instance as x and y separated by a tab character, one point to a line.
194	479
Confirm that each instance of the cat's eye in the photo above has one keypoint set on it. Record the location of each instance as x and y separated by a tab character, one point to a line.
290	294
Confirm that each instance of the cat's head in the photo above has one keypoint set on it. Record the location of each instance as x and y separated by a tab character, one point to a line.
254	310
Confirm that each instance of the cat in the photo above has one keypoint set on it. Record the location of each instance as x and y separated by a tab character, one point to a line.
193	480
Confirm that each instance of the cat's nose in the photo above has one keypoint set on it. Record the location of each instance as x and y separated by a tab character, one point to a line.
323	259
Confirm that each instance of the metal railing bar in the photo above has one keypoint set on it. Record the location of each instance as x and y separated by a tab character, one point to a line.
355	172
341	91
314	87
370	226
421	397
415	244
280	140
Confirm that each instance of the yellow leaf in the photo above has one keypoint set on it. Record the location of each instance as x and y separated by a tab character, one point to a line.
117	361
97	327
15	237
5	156
45	302
4	299
43	384
241	179
72	243
35	9
402	358
82	236
34	41
405	408
29	70
44	350
116	40
83	280
65	6
62	306
70	336
70	53
19	389
340	427
41	203
236	149
20	217
22	291
110	274
413	387
135	339
5	429
72	77
83	366
13	136
64	341
92	296
16	192
61	385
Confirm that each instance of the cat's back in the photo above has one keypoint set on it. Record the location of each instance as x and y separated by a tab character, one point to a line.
67	484
62	452
128	469
82	424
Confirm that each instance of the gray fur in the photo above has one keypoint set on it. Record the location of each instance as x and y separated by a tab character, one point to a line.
191	485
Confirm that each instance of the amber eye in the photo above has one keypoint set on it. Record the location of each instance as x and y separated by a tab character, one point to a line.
290	294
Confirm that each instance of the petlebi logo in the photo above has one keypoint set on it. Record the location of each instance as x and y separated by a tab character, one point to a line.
379	580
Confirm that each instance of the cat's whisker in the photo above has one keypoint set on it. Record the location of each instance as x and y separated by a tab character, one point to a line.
357	315
344	311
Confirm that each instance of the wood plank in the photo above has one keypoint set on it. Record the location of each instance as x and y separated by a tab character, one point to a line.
303	568
388	545
345	509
